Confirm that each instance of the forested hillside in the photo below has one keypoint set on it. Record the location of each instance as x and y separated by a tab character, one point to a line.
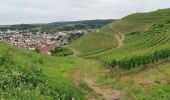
60	26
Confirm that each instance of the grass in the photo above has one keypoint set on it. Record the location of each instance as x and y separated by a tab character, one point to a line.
88	90
146	34
52	66
37	76
151	83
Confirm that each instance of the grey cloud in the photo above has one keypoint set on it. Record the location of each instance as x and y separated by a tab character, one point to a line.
40	11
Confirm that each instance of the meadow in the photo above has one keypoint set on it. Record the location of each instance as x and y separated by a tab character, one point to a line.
28	75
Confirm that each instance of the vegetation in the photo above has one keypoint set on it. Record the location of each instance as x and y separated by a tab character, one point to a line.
95	42
139	64
147	40
75	25
59	26
21	27
61	51
28	75
151	83
74	37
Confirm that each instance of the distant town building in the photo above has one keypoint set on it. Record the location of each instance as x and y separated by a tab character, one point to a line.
44	42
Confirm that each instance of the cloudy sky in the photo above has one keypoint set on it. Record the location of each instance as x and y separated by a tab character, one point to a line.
44	11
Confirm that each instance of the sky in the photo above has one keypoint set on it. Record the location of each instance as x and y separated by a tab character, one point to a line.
45	11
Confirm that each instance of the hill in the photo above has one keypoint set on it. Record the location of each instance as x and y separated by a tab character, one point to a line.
137	36
60	26
75	25
126	60
28	75
134	52
132	23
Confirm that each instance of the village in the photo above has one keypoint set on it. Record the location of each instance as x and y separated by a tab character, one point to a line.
43	42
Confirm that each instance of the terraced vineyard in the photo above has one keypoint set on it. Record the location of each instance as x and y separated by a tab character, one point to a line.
147	40
126	46
138	53
90	44
137	49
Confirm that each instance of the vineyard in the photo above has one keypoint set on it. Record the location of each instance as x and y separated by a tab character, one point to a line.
140	65
95	42
140	48
128	59
104	38
147	40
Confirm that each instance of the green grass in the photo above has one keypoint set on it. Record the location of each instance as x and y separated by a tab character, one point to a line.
152	93
29	75
151	83
147	41
53	66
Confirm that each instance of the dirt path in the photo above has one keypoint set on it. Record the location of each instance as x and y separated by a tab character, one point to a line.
120	38
75	53
106	92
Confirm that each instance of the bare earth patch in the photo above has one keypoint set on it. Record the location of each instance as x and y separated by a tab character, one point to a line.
120	38
106	92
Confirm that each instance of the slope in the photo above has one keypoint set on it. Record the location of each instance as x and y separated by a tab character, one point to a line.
147	39
104	38
59	26
137	55
28	75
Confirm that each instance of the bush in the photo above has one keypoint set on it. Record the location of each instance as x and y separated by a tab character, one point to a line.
141	60
61	51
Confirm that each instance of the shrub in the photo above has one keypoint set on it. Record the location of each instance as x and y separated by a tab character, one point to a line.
141	60
61	51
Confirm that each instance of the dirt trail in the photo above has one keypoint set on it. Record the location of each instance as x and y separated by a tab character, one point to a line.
106	93
75	53
120	38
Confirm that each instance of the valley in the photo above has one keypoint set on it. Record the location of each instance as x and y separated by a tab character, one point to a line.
128	59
